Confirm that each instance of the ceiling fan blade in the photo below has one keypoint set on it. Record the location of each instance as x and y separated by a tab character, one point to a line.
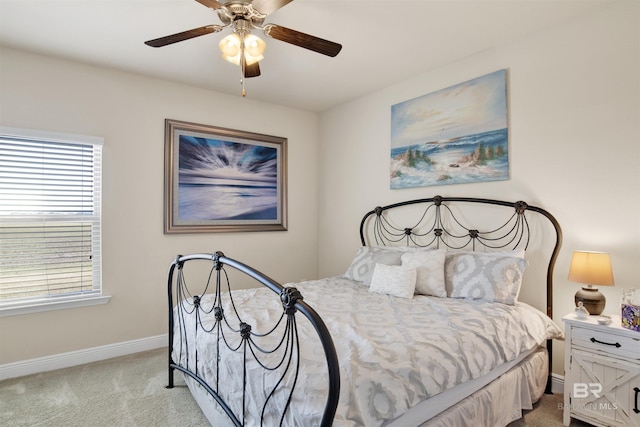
213	4
306	41
267	7
252	70
185	35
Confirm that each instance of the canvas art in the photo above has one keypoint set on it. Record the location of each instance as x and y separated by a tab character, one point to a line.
219	179
456	135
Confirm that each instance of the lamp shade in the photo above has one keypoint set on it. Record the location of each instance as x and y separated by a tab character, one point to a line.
592	268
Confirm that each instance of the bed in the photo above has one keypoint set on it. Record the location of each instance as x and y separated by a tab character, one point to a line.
426	327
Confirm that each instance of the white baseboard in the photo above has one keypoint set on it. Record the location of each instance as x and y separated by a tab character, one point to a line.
557	383
74	358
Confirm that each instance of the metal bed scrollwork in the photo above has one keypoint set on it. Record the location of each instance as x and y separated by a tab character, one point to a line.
237	336
440	226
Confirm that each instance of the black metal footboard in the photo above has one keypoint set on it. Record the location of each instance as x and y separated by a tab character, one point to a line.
231	335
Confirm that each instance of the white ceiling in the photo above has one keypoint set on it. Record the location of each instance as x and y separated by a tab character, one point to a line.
383	41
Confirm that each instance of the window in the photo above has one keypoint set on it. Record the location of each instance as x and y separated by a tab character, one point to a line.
50	228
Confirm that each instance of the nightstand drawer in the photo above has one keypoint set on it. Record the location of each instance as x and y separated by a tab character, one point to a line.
603	341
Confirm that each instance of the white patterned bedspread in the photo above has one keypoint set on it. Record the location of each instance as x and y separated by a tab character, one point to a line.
393	352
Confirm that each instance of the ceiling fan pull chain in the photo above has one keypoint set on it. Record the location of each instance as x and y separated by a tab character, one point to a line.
242	79
243	63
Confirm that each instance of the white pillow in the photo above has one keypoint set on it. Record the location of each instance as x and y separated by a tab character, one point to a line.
484	277
367	257
429	267
394	280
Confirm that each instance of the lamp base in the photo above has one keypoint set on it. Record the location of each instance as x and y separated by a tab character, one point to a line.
592	299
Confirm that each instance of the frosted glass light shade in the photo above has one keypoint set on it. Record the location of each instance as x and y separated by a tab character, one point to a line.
232	47
253	49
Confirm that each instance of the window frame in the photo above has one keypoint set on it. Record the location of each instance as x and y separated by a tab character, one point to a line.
21	306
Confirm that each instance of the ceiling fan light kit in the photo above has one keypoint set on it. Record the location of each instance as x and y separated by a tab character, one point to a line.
241	47
251	46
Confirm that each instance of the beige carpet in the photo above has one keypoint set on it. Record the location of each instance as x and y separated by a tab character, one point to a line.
546	413
130	391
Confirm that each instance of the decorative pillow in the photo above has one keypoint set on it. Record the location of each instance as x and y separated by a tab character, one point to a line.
519	253
484	277
395	280
366	258
429	267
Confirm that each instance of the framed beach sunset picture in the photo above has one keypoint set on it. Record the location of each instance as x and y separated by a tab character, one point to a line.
223	180
455	135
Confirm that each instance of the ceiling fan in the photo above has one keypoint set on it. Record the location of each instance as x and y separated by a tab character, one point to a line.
241	47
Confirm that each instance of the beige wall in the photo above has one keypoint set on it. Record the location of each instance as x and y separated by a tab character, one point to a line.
574	124
38	92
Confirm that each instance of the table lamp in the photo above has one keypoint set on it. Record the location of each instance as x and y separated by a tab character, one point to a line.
591	268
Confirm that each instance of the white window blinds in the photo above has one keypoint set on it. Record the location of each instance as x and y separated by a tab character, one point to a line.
49	216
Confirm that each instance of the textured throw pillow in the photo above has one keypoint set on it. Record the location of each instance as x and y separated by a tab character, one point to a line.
366	258
429	267
395	280
519	253
484	277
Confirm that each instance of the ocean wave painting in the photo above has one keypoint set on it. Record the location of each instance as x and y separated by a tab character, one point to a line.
222	180
456	135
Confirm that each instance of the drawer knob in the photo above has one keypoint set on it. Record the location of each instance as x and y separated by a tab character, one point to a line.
616	344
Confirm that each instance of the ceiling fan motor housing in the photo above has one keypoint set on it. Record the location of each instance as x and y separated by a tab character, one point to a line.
235	11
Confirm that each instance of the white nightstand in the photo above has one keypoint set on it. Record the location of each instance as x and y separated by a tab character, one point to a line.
601	372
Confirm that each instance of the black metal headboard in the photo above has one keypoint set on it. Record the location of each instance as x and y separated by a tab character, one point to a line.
443	222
